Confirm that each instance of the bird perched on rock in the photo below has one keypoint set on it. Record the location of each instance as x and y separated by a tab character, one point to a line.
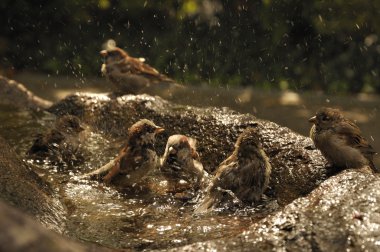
340	140
180	164
61	144
128	74
243	175
137	158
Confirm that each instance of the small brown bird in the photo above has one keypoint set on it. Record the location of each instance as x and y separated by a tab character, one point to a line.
243	175
180	164
128	74
137	158
340	140
61	144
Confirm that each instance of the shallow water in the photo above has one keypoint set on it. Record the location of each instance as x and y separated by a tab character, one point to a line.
145	217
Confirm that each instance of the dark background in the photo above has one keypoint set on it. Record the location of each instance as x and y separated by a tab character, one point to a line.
287	44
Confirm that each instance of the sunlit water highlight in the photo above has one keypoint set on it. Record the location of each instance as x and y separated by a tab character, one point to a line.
144	217
149	218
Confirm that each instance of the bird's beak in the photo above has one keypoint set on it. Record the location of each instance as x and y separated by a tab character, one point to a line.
158	130
172	150
103	53
313	119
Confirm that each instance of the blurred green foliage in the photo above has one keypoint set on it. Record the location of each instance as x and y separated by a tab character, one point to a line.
330	45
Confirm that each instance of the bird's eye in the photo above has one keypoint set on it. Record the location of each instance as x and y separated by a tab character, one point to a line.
74	124
325	118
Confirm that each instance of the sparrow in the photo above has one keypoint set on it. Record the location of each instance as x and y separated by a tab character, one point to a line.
180	163
244	175
137	158
129	75
340	140
61	144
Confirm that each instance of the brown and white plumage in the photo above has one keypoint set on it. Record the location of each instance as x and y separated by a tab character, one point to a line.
61	144
128	74
245	173
340	140
180	162
137	158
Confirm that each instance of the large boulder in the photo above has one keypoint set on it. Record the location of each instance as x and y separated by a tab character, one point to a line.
21	233
296	170
342	214
16	94
24	189
322	210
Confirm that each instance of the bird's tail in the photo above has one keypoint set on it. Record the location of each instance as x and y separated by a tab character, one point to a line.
373	167
165	78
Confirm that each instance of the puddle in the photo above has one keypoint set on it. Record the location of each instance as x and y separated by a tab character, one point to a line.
144	217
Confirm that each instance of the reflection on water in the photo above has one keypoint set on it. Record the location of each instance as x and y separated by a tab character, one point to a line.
144	217
143	220
147	217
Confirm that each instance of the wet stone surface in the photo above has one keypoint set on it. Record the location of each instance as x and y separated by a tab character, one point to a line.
296	170
24	189
304	208
21	233
343	213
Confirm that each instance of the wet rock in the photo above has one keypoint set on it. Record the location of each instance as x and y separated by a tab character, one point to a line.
296	170
24	189
15	94
20	233
343	213
321	212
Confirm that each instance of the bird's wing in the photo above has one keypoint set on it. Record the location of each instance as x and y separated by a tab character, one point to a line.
55	136
224	180
207	203
147	70
102	170
353	136
213	195
198	166
123	151
226	175
39	145
142	67
112	168
128	159
226	162
254	178
253	168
